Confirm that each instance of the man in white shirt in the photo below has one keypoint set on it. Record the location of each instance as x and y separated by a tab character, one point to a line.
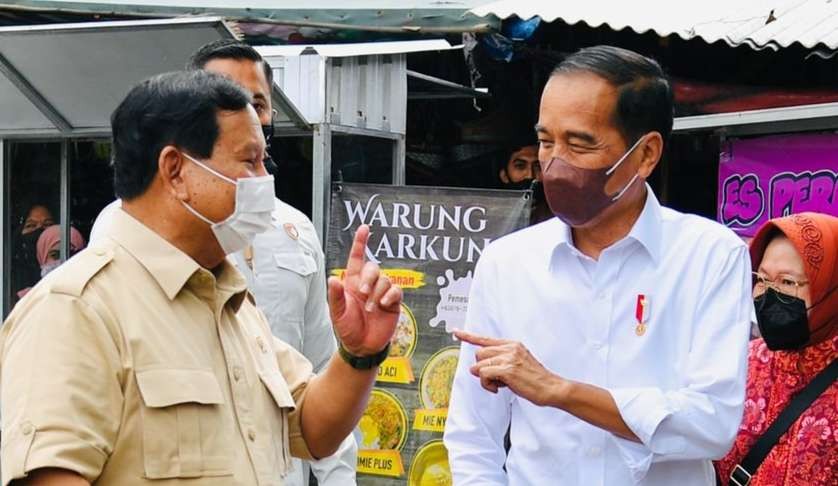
615	347
284	268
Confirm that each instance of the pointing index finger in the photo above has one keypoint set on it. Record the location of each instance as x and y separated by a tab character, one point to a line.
477	340
355	262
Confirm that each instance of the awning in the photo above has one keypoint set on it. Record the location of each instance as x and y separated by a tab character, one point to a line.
761	24
419	16
66	79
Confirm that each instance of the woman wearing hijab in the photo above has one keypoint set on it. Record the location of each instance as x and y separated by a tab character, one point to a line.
25	270
48	250
795	280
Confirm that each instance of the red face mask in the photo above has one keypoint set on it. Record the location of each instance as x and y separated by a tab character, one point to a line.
577	195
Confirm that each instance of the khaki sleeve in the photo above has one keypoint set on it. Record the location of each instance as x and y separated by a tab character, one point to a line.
60	386
298	372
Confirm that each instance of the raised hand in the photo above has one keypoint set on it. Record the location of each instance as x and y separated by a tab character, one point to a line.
365	305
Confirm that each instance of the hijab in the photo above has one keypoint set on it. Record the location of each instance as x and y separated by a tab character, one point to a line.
815	237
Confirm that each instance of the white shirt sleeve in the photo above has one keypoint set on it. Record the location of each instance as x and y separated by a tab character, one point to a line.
339	468
701	419
477	419
319	343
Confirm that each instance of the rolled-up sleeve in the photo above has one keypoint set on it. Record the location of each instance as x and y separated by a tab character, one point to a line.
60	385
477	419
699	420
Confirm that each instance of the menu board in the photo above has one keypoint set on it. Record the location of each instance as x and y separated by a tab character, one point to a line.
427	240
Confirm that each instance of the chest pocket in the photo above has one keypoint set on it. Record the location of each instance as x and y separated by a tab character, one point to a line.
186	432
278	444
299	262
290	278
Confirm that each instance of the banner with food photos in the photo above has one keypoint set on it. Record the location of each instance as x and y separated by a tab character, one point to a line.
427	240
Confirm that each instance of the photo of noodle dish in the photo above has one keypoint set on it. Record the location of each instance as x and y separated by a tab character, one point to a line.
430	466
384	423
403	341
437	378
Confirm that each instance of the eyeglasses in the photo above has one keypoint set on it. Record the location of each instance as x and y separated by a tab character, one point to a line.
785	285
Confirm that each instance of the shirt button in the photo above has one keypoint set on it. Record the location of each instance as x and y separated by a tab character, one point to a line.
251	434
261	344
237	373
99	252
594	451
597	345
27	429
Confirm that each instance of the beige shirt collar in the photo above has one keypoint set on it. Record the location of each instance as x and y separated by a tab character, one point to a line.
171	267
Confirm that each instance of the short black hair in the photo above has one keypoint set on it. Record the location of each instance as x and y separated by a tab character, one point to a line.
228	49
177	108
644	99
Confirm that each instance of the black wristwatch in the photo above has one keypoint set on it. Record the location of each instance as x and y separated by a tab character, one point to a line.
363	362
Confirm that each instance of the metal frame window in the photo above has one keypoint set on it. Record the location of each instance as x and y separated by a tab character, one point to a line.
65	203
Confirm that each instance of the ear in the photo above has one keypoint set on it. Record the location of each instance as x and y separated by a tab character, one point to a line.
651	152
170	165
503	176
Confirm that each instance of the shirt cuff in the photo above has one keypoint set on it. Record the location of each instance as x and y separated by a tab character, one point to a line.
297	443
643	410
26	448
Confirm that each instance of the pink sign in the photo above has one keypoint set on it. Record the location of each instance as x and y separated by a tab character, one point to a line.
769	177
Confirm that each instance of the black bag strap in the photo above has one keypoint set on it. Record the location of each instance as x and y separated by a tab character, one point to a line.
743	471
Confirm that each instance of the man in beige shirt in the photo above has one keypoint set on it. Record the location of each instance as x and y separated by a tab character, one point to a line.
143	359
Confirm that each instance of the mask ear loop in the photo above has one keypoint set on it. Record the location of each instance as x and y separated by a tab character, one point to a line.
624	157
210	169
614	167
213	172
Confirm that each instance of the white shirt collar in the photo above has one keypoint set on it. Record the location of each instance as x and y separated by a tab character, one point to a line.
646	230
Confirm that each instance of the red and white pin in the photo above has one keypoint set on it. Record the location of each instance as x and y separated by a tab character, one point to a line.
641	313
291	231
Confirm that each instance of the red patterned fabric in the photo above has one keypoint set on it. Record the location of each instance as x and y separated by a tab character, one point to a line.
806	455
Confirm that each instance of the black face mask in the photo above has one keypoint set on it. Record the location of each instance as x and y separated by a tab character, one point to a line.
268	132
783	321
26	272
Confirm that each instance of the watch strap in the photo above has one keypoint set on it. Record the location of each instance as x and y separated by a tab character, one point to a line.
363	362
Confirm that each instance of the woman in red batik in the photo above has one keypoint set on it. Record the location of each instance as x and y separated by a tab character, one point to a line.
794	261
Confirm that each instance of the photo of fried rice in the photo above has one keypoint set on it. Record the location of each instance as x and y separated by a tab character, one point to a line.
404	339
384	423
437	378
430	466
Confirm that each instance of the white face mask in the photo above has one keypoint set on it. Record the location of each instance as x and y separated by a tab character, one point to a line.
48	267
255	201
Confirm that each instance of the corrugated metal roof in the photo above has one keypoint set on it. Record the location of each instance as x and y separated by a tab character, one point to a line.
376	15
758	23
358	49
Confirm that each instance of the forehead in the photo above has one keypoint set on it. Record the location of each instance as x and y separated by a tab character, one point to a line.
579	100
529	154
38	212
782	257
248	74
